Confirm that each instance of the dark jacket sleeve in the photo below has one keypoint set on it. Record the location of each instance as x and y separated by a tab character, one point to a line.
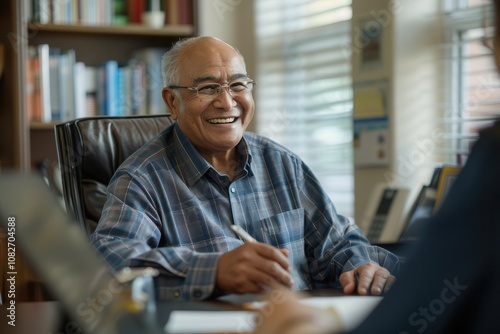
450	282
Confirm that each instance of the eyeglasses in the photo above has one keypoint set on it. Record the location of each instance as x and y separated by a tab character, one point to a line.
213	90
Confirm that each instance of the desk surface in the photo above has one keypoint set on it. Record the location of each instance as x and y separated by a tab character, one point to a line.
48	317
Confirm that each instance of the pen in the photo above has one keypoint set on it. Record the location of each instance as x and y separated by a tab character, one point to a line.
242	234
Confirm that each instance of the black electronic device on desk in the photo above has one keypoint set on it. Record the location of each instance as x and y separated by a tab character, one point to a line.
383	220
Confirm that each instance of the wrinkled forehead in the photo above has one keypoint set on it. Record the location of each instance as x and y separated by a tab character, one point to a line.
211	60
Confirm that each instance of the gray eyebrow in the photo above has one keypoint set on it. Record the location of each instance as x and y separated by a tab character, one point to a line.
214	79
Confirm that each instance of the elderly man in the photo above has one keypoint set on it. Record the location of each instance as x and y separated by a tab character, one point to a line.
171	205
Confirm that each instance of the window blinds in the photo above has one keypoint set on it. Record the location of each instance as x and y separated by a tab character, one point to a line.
474	83
304	90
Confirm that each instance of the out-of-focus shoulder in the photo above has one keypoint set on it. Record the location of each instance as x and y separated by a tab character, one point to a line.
492	132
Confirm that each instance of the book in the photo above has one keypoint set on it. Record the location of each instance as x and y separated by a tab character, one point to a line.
107	88
138	87
172	12
135	9
33	86
54	84
152	57
447	177
67	62
44	80
91	90
185	11
41	11
80	90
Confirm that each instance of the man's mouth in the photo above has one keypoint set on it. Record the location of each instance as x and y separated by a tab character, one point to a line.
222	120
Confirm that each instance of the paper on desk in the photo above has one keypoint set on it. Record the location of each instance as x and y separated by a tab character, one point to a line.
351	310
181	322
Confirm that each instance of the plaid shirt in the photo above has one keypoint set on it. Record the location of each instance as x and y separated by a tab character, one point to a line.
168	208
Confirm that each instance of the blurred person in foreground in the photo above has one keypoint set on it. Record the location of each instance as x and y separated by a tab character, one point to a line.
450	283
171	204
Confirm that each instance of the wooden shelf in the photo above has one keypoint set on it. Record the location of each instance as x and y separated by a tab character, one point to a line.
25	145
125	30
42	125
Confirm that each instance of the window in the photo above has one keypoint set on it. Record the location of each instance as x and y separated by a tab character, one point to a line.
474	82
304	90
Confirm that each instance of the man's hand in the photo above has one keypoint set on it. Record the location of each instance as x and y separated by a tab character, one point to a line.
367	279
253	266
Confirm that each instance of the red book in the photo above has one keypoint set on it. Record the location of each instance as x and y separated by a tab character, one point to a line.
185	12
34	92
135	9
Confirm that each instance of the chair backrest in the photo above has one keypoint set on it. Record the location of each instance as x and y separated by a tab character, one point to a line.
89	152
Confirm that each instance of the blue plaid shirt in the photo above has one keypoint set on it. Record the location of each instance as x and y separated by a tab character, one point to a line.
168	208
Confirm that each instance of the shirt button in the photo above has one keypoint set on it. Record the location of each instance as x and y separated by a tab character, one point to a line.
233	190
177	293
197	293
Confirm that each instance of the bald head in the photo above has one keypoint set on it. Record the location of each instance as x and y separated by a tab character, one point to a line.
188	50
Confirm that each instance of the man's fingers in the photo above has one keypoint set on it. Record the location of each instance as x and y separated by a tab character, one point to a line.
367	279
273	254
382	281
253	267
364	281
348	282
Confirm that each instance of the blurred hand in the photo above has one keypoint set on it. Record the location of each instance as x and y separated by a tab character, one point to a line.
367	279
286	315
252	267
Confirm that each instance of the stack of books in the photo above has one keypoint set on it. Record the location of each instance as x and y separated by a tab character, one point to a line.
59	88
429	199
109	12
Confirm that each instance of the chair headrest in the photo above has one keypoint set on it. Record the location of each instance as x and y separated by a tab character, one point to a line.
109	141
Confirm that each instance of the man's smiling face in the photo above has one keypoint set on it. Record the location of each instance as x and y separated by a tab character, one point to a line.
214	124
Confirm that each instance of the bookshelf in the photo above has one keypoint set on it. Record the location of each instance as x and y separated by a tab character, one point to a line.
126	30
93	45
24	145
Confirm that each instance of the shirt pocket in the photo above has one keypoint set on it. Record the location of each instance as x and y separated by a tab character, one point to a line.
285	229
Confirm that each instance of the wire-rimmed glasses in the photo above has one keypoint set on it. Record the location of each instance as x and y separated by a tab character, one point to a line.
213	89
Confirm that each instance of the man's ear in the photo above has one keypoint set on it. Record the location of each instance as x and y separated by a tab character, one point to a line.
170	100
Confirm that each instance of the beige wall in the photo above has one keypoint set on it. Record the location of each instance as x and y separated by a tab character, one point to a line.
416	98
370	12
412	33
233	22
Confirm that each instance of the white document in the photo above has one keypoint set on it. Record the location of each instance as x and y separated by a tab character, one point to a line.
351	311
210	322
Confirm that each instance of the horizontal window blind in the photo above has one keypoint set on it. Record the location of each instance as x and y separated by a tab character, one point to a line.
304	91
474	83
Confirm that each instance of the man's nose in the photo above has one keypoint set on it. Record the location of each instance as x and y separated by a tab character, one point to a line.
225	98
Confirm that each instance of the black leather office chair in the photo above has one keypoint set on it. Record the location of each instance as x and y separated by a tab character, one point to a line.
90	150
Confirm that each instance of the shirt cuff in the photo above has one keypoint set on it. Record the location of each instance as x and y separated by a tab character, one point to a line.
199	283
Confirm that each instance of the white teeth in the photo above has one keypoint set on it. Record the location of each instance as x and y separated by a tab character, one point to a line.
221	120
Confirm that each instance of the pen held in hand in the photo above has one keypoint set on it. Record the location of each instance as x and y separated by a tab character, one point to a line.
242	234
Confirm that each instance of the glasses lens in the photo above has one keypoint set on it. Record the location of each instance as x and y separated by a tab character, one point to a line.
241	86
235	88
208	89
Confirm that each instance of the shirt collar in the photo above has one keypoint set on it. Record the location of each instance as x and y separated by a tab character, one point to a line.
193	165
